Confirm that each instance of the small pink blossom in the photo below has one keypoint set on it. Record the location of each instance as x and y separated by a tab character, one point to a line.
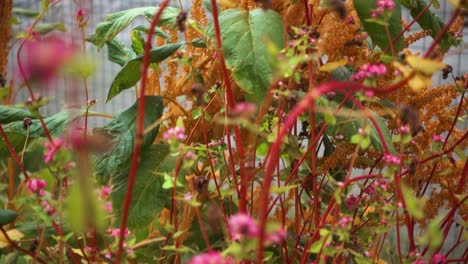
243	109
391	159
175	133
276	236
81	13
369	93
212	257
352	202
52	148
190	155
419	261
439	259
404	129
437	138
382	7
115	232
369	70
349	20
36	186
242	225
105	192
48	208
344	221
108	207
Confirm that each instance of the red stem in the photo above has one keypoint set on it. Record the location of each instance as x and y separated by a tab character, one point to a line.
13	153
139	131
231	103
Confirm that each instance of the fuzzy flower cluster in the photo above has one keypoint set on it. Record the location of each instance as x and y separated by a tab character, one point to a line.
382	6
177	133
344	221
391	159
115	232
52	148
212	257
36	186
48	207
438	259
369	70
242	225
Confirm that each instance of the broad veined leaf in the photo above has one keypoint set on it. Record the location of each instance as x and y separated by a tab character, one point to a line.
149	197
116	22
16	132
13	234
130	73
116	50
25	12
244	37
377	31
332	66
123	131
430	21
45	28
414	205
10	114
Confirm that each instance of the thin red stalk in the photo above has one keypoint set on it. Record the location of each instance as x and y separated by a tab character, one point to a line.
276	147
13	153
26	81
443	31
231	103
202	228
20	249
139	131
415	19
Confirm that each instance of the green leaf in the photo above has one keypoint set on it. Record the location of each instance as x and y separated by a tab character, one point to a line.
10	114
350	127
138	43
7	216
149	197
123	130
83	209
25	12
430	21
45	28
245	35
130	74
157	31
413	205
116	50
377	31
116	22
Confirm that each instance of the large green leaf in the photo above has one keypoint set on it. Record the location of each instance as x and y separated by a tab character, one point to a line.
130	73
10	114
430	21
377	31
149	198
16	132
245	37
116	50
116	22
123	131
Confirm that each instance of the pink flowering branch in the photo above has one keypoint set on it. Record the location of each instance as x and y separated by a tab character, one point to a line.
139	131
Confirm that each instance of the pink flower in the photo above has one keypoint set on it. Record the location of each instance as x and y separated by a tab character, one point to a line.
419	261
212	257
391	159
350	20
52	148
105	191
81	13
436	138
370	70
48	208
242	225
108	207
243	109
36	186
175	133
42	59
382	6
404	129
344	221
115	232
276	236
352	202
438	259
